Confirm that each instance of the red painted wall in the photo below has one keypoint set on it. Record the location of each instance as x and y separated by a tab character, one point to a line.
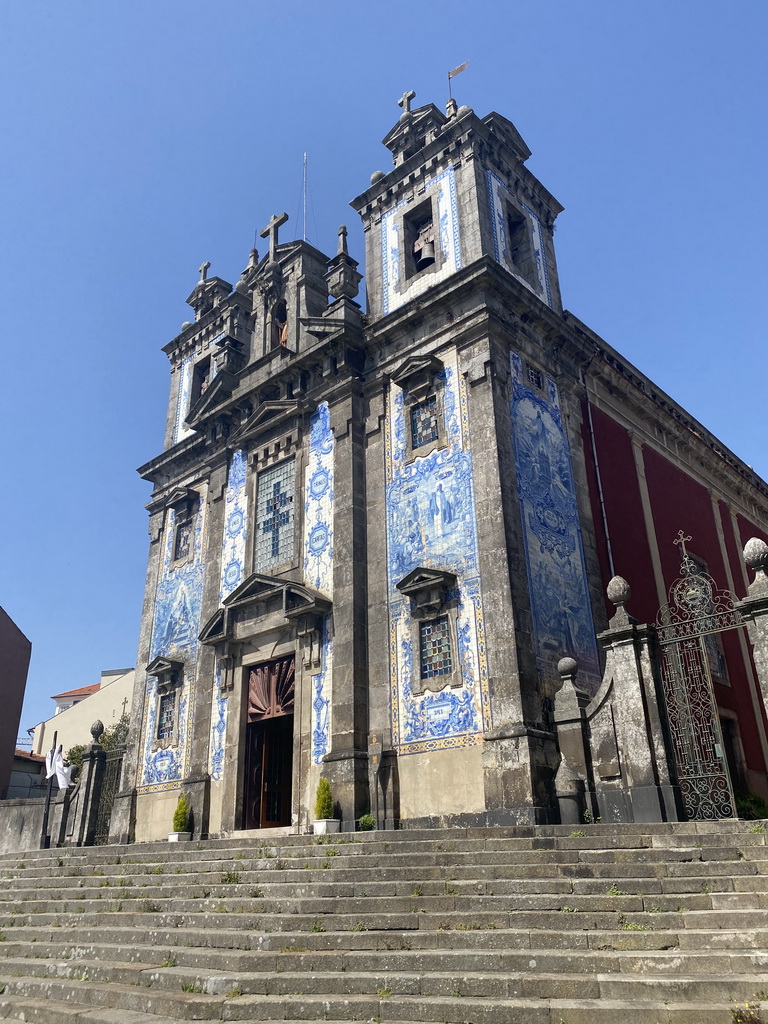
621	496
678	502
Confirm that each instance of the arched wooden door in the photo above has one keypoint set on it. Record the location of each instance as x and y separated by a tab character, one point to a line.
269	744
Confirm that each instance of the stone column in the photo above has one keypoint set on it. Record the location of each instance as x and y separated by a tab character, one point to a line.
754	609
632	760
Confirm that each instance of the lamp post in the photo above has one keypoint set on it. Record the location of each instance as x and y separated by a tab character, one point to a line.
45	839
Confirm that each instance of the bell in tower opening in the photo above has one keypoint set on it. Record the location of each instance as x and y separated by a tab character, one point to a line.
424	244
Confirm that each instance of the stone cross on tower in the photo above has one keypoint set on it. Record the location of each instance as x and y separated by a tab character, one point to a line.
270	231
203	268
405	101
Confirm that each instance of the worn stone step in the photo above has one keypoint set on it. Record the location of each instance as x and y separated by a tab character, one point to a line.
69	959
46	1011
502	982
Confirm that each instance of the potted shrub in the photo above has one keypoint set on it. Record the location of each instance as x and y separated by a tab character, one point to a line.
324	819
181	820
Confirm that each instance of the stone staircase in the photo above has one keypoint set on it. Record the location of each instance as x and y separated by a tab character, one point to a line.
651	924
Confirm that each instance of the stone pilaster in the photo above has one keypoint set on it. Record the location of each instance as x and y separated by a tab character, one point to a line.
346	764
123	821
519	755
754	609
197	783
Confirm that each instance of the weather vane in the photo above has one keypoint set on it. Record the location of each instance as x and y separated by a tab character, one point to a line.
452	74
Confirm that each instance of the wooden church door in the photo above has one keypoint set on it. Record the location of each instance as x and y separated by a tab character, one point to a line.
269	744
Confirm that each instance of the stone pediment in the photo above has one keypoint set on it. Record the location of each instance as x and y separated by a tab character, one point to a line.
267	414
218	391
180	499
417	370
292	601
166	671
427	588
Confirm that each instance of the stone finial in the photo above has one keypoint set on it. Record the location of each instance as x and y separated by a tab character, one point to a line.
96	730
567	668
619	593
377	176
342	277
451	108
567	698
756	557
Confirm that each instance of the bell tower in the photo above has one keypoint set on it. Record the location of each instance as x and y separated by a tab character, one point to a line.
474	412
459	190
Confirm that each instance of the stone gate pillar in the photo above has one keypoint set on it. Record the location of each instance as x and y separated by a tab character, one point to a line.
625	756
91	779
754	609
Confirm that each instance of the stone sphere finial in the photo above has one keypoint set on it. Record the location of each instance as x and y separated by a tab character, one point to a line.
567	667
756	557
618	591
96	730
377	176
756	553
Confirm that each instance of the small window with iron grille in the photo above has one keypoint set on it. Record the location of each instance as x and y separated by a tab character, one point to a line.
424	423
435	648
425	426
166	716
534	377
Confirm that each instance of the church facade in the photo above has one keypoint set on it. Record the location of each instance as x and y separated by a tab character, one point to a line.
373	536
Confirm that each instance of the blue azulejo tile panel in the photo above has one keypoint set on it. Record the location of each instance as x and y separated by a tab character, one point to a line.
182	402
557	577
318	503
218	730
235	523
175	629
431	522
321	696
396	289
498	194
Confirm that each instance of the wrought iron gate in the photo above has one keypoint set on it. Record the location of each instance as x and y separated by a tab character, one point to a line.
109	786
687	629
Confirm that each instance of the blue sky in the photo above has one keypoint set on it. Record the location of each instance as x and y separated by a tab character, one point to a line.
140	139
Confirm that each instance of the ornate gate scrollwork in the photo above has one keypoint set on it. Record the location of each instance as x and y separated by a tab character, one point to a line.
686	628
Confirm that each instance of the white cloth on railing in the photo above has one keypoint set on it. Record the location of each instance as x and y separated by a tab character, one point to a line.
54	765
